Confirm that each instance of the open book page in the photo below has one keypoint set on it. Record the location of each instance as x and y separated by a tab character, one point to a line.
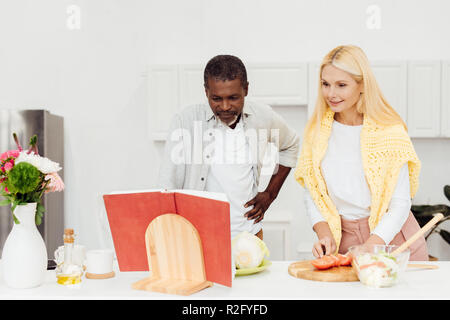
204	194
198	193
136	191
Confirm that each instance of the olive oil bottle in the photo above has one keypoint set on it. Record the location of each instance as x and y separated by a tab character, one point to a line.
67	272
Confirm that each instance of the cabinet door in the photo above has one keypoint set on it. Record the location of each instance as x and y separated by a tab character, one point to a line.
162	99
391	77
277	234
192	90
424	89
445	105
278	84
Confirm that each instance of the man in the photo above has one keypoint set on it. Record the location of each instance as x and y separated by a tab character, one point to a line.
240	133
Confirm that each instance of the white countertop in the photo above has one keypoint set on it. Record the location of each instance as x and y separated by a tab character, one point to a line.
274	283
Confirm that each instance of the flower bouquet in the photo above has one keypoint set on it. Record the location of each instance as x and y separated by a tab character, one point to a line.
25	176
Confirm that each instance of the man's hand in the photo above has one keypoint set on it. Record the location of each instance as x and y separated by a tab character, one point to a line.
262	200
260	204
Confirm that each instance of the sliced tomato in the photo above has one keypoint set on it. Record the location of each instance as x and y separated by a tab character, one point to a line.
326	262
344	260
336	260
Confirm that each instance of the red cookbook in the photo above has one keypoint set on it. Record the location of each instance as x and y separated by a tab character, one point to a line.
130	213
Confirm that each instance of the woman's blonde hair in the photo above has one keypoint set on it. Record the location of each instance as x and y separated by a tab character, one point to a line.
371	103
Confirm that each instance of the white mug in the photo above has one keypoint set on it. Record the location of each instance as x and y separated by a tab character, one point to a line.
78	254
99	261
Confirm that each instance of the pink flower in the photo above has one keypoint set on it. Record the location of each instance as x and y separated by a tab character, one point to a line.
55	184
9	154
14	153
6	190
9	165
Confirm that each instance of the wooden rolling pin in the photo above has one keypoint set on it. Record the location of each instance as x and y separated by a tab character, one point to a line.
416	235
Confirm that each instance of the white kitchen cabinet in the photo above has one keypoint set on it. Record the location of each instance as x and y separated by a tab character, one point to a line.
445	103
173	87
162	99
424	105
277	234
274	84
278	84
415	90
392	79
191	85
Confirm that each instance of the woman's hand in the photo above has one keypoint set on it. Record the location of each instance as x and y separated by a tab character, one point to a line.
326	244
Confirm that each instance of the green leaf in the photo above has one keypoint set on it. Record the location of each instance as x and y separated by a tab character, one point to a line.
33	140
38	218
3	193
16	221
40	208
5	202
14	205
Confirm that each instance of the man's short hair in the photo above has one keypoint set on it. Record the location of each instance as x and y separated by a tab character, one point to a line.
225	68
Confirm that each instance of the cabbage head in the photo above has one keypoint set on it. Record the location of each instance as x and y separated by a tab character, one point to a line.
248	250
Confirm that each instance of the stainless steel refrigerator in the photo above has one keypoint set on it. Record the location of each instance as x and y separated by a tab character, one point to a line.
50	131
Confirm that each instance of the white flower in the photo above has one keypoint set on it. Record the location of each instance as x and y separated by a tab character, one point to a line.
43	164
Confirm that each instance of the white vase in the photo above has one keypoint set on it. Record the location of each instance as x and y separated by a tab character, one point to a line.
24	257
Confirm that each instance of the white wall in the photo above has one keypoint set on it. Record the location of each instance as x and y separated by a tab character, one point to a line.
95	76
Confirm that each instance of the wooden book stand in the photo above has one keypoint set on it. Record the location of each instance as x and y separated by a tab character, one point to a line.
175	257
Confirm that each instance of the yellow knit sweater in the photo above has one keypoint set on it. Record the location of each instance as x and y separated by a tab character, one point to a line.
384	150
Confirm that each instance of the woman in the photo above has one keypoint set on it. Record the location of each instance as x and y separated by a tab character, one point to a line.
357	162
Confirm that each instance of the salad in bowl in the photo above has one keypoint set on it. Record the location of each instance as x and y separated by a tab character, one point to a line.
376	266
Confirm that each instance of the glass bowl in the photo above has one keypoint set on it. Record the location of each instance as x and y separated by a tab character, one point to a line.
376	266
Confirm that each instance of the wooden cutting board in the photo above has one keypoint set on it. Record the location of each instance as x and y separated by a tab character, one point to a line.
305	270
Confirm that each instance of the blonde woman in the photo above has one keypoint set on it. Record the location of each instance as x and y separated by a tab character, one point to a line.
357	162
